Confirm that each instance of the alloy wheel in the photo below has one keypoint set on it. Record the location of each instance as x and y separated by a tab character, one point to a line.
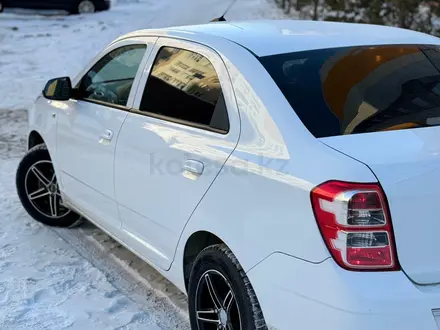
216	305
86	7
42	190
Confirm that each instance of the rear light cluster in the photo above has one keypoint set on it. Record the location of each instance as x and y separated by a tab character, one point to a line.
355	223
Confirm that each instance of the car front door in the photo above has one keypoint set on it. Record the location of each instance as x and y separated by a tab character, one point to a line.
88	127
183	127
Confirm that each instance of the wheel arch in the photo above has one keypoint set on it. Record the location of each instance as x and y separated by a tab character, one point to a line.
34	139
194	245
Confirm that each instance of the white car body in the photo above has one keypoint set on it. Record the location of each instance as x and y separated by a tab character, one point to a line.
259	205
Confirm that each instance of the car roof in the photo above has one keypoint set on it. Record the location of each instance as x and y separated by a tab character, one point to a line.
269	37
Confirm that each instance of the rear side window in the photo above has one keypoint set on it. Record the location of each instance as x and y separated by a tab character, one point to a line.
362	89
184	86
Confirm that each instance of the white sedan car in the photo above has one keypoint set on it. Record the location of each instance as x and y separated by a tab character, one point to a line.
283	174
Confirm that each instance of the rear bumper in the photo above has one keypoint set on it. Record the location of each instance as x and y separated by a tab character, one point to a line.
295	294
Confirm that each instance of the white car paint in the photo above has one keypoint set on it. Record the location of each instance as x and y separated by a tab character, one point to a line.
317	296
87	136
152	153
259	204
410	174
268	37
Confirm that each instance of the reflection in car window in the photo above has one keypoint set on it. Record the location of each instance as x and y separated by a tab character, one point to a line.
361	89
110	80
184	85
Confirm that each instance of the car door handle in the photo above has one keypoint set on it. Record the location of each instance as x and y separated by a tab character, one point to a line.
193	166
106	135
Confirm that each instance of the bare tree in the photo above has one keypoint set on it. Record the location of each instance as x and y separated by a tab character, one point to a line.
420	15
315	10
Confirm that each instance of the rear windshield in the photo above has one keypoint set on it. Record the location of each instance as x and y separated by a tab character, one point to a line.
360	89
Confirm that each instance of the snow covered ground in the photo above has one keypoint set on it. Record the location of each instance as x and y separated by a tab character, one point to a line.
78	278
35	48
67	278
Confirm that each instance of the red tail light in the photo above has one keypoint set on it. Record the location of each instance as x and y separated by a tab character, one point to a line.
355	223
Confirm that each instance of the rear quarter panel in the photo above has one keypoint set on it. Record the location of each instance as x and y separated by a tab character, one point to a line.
260	202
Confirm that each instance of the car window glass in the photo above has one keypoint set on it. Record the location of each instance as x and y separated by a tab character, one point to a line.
360	89
184	85
110	80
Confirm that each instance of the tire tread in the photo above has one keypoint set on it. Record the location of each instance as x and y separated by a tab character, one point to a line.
259	321
70	220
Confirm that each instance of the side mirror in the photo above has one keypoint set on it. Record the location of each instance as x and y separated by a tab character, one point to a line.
59	89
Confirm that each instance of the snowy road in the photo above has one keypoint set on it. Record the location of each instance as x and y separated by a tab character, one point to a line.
59	279
78	278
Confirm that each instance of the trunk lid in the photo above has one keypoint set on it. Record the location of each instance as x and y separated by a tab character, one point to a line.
407	165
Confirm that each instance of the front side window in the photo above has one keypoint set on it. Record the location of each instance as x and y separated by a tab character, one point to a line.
184	86
110	80
360	89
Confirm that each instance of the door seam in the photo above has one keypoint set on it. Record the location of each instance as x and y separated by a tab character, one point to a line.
114	172
227	159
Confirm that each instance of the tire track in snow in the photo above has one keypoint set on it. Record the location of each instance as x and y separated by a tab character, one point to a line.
59	279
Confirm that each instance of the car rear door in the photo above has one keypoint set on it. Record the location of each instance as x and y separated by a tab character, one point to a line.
88	127
183	127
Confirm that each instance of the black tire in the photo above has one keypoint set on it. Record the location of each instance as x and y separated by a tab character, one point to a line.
219	263
1	6
25	178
